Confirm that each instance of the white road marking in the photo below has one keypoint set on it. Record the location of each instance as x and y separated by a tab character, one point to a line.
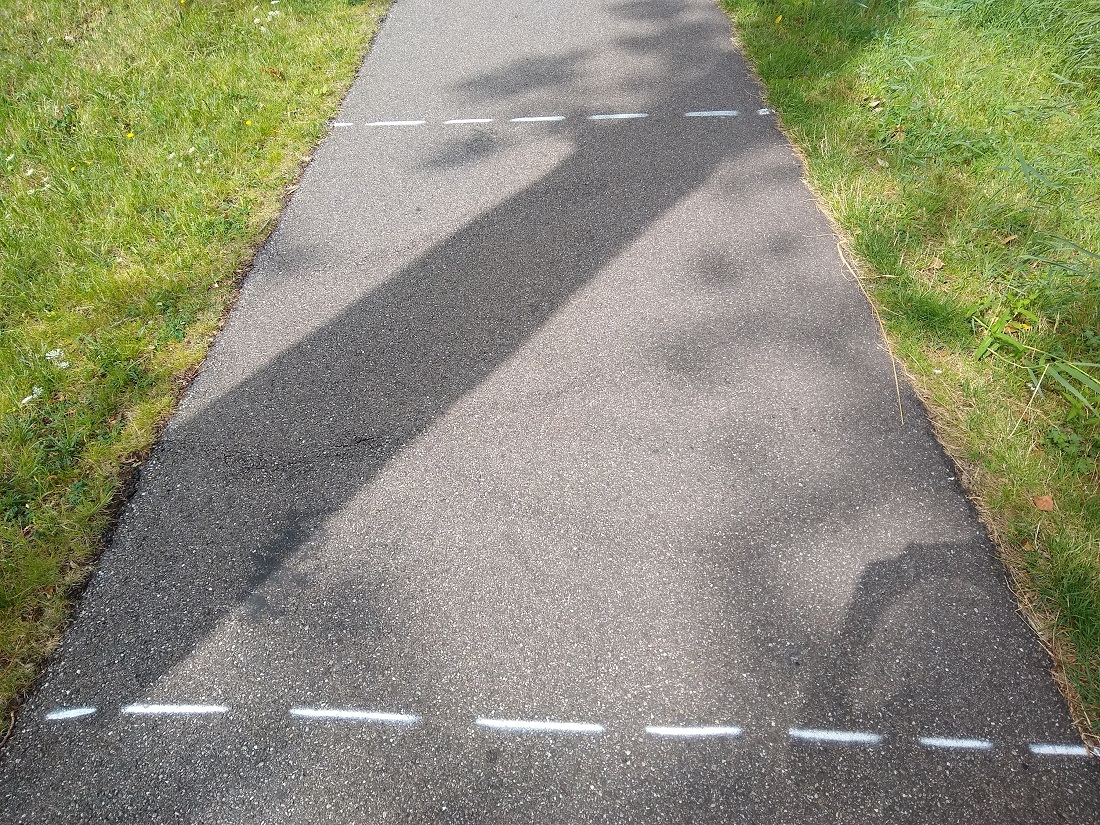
69	713
624	116
848	736
703	730
765	111
398	123
1059	750
356	715
535	725
717	113
469	120
944	742
343	123
536	119
170	709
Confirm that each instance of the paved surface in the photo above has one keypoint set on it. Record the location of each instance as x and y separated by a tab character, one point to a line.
577	422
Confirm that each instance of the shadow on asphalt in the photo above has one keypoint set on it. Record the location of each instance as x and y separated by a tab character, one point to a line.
250	480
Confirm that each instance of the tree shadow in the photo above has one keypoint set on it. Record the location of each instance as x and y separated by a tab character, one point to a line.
247	476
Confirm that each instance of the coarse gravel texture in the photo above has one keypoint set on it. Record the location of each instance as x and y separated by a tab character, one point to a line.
574	420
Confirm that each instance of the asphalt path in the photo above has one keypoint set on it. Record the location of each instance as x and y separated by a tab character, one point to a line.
549	471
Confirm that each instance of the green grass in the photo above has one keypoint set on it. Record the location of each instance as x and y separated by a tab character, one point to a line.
957	143
145	147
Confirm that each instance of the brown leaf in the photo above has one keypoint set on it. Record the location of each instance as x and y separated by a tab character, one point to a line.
936	264
1045	503
1009	239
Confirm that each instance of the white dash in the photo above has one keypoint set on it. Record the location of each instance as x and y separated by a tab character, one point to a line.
765	111
468	120
623	116
848	736
716	113
534	725
69	713
342	123
541	119
171	709
964	744
702	730
356	715
1059	750
398	123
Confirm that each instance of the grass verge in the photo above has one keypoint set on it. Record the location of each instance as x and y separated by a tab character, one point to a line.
145	148
957	144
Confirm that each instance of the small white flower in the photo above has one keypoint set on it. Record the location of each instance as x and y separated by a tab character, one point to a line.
10	158
273	13
256	20
191	151
171	156
36	392
263	29
55	354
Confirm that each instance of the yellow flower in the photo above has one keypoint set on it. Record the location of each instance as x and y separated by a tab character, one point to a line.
72	168
129	135
779	19
248	123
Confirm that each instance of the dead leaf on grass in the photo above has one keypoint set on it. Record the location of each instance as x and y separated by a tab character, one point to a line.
1045	503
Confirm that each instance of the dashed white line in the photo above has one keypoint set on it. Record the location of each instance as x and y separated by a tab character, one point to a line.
463	120
356	715
623	116
175	709
852	737
537	726
716	113
962	744
69	713
398	123
765	112
1059	750
540	119
697	731
343	123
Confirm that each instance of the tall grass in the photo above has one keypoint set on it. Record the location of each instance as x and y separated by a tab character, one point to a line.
958	144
